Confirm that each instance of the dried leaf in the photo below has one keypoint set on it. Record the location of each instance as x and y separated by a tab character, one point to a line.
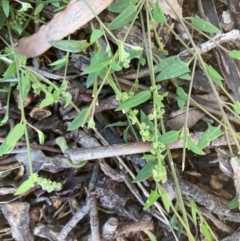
235	163
165	7
64	23
177	122
17	215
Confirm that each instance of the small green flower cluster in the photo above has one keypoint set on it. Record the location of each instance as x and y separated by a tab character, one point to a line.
37	87
46	184
159	173
132	115
38	19
159	106
124	96
124	56
19	19
146	133
157	146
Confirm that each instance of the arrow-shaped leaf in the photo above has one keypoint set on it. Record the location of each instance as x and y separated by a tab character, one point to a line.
175	69
209	135
135	100
124	18
204	26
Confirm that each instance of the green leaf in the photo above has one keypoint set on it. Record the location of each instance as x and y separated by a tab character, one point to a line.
194	211
25	84
126	16
125	134
190	145
119	5
173	220
148	158
150	235
236	107
209	135
11	71
25	186
166	200
55	4
135	100
21	58
181	97
39	8
166	62
153	197
206	232
72	46
180	229
17	28
98	62
96	67
61	142
56	94
59	63
41	137
175	69
80	120
49	88
13	136
143	61
158	14
96	34
235	54
185	76
48	100
90	79
115	66
64	85
119	123
68	99
24	6
2	19
180	102
204	26
4	120
215	76
169	137
181	93
6	7
233	203
145	172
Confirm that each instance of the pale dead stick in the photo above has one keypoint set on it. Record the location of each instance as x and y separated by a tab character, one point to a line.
64	23
77	155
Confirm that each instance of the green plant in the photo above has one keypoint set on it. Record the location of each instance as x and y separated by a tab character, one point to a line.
13	65
104	64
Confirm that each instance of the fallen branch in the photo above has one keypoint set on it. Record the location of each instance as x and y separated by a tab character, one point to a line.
220	38
77	155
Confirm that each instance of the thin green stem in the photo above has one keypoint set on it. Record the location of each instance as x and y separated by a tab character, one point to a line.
185	128
23	119
203	65
182	221
178	189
